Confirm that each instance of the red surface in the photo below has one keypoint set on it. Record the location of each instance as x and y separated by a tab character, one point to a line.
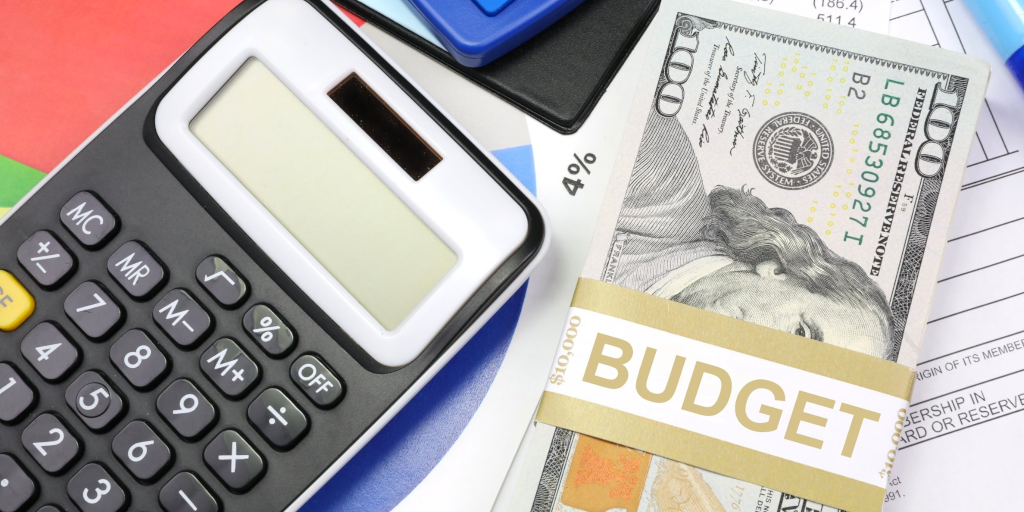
66	67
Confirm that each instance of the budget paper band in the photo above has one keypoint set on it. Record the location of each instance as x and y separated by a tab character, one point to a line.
728	396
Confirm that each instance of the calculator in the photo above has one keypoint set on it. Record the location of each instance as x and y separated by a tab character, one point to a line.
240	278
476	32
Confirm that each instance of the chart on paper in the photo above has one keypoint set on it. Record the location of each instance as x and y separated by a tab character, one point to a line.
970	378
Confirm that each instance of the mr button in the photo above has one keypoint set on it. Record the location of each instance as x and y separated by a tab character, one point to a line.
16	304
317	380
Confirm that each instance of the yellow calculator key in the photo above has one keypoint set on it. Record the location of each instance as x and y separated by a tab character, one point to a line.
16	304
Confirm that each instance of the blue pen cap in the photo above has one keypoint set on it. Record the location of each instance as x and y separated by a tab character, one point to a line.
1003	22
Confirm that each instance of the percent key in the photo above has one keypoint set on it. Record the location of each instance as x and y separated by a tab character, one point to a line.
268	330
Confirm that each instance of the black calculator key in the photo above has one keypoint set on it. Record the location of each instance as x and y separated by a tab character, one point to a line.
222	281
185	493
48	349
139	359
49	508
89	219
184	320
93	489
186	409
278	419
16	395
46	259
137	270
51	443
93	310
317	381
95	401
268	330
142	451
17	488
229	367
237	464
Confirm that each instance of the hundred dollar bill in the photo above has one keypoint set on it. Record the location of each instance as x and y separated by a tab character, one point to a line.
787	173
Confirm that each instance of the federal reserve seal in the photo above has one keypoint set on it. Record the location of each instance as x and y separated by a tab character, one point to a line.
793	151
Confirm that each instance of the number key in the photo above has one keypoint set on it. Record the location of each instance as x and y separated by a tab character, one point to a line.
93	310
94	400
139	359
186	409
17	488
50	351
142	451
51	443
93	489
16	395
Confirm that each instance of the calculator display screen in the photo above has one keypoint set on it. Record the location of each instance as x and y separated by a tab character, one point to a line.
323	194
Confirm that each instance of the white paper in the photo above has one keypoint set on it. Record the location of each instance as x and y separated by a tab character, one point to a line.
870	15
961	446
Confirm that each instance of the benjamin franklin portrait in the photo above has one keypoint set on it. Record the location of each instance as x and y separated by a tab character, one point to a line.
724	250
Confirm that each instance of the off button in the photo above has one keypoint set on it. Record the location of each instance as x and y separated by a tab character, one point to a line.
317	381
16	304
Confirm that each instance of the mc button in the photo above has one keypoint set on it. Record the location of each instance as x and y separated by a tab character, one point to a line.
16	304
317	381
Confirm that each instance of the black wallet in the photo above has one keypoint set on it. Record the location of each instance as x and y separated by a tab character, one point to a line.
558	76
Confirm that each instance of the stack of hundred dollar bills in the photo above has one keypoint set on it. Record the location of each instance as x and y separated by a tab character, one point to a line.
789	173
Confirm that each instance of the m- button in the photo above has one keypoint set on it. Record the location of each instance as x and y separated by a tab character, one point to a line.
16	304
317	381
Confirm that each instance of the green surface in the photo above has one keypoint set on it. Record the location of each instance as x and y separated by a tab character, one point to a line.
16	180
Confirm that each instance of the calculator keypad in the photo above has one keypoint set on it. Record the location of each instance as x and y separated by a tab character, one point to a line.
136	270
186	409
182	318
89	219
139	355
16	395
142	451
235	462
93	489
139	359
185	493
50	351
20	488
95	401
93	310
46	259
222	281
51	443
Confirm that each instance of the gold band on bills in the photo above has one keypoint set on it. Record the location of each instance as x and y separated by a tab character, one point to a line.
769	344
713	454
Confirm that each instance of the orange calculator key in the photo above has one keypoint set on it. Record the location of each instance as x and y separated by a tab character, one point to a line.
16	304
